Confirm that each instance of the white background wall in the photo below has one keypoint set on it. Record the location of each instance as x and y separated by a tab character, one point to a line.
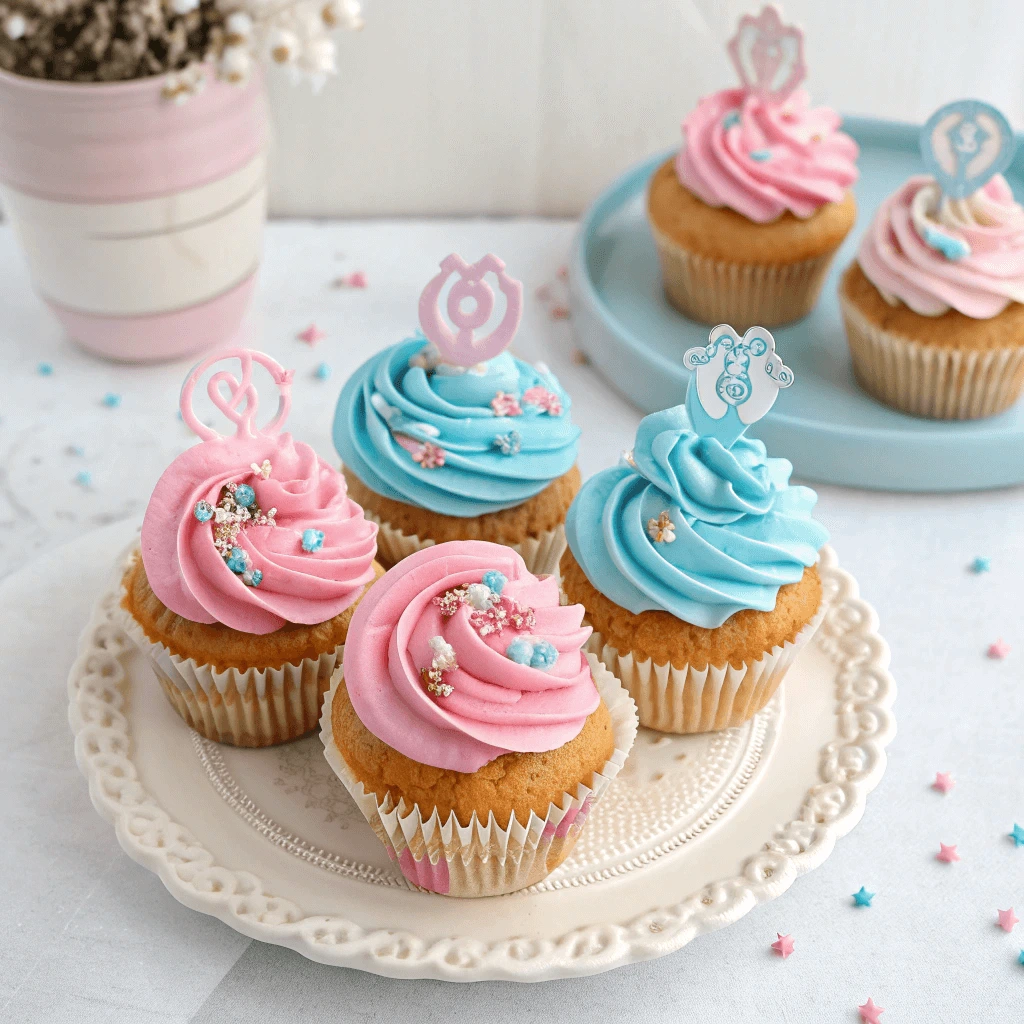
489	107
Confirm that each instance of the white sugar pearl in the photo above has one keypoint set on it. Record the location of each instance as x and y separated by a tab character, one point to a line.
480	596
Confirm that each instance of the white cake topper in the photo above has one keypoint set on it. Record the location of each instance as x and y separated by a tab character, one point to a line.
735	381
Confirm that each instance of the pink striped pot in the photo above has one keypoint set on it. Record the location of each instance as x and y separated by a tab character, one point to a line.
141	219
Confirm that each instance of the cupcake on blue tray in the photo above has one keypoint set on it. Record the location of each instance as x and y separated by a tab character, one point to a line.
695	558
447	436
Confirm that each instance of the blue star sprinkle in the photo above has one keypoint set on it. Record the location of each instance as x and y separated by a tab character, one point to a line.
244	495
83	478
45	369
760	155
111	400
1017	835
312	540
980	564
495	581
323	371
863	898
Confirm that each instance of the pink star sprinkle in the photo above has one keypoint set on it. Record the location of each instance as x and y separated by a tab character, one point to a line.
1000	649
783	945
311	335
943	782
1007	919
947	854
869	1013
357	279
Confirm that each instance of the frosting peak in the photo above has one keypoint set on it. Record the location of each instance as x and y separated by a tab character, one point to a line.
465	655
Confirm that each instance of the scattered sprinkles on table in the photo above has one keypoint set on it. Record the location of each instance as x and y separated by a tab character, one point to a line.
111	400
83	478
783	945
323	371
947	854
944	782
981	564
870	1013
45	369
355	279
1017	835
1007	919
863	898
76	450
999	650
1020	959
311	335
579	357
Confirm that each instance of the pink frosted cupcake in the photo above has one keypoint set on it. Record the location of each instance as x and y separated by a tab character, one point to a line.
469	724
749	214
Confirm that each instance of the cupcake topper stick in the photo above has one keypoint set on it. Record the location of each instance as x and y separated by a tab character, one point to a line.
241	402
460	347
735	381
768	55
965	144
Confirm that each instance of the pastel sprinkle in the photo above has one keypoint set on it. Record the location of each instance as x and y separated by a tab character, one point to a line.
944	782
1007	919
559	313
111	400
545	655
731	119
203	511
760	155
356	279
870	1013
312	540
579	357
999	650
244	495
863	898
238	561
83	478
323	371
951	247
1017	835
45	369
495	580
311	335
76	449
981	564
947	854
520	651
1020	959
783	945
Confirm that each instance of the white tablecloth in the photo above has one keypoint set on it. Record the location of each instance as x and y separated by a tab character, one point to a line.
88	936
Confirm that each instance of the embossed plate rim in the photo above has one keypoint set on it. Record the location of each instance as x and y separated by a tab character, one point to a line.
850	766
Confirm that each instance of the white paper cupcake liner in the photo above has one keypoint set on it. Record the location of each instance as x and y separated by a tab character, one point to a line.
247	708
691	700
481	858
541	554
741	294
927	380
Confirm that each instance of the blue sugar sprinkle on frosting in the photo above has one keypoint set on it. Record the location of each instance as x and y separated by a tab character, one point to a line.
203	511
312	540
237	560
520	651
545	655
731	119
951	247
760	155
495	581
244	495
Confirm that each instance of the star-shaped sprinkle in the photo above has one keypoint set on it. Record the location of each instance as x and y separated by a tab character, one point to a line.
1007	919
783	945
1017	835
45	369
944	782
1000	649
83	478
323	371
947	854
869	1013
863	898
311	335
981	564
111	400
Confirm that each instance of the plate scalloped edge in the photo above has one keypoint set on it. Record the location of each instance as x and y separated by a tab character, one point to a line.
850	766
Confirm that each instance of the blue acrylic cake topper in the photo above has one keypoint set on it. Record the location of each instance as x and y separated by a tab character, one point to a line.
965	144
735	381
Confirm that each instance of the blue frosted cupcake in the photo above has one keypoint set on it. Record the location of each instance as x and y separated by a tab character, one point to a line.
695	558
443	439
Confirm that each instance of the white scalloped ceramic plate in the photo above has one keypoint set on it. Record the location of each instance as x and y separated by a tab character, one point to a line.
694	832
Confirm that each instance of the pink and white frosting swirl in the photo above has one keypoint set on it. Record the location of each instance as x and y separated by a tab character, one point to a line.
496	704
192	578
761	158
934	253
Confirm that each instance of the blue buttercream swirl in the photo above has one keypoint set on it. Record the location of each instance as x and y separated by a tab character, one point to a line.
450	408
741	531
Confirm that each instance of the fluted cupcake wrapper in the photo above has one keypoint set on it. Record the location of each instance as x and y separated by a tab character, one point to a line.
692	700
541	554
928	380
740	294
247	708
481	858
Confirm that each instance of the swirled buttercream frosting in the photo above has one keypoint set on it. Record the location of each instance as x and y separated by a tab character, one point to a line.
463	655
693	527
457	440
935	253
761	157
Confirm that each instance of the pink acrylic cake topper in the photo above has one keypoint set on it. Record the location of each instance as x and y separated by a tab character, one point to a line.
461	347
239	390
768	55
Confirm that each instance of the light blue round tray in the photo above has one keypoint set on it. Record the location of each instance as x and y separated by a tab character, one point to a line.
825	424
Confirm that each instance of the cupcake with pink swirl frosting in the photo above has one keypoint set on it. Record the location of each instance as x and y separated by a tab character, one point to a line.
468	722
934	303
252	561
748	215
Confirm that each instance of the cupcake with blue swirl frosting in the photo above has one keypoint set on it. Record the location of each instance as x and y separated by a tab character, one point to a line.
695	557
448	437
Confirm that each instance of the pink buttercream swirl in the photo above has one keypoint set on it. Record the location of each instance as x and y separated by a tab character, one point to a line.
496	705
972	261
761	158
